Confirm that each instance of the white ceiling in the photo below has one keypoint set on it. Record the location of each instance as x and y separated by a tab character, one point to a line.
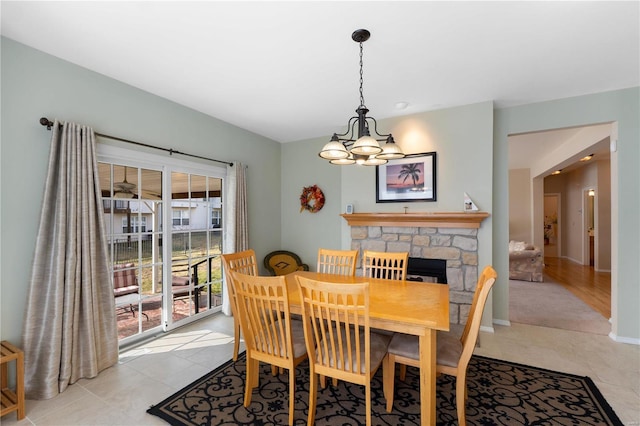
289	70
525	149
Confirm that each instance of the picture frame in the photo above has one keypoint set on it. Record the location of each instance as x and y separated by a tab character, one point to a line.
409	179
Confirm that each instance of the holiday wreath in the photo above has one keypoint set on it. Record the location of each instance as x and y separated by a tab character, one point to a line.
312	199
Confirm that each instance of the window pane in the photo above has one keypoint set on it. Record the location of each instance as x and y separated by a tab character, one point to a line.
125	182
179	186
151	184
198	187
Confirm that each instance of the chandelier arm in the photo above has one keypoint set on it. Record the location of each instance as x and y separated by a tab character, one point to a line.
350	126
375	129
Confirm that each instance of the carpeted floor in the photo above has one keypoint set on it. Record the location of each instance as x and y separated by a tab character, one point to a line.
499	393
548	304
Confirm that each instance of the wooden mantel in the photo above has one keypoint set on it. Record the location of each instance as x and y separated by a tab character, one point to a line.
423	219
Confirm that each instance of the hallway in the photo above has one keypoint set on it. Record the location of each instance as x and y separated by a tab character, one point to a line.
593	288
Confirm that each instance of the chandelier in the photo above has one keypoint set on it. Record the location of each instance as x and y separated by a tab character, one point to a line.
344	149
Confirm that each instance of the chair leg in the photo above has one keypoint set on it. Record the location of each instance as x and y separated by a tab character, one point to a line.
236	339
368	403
388	373
292	396
252	379
403	372
313	395
461	392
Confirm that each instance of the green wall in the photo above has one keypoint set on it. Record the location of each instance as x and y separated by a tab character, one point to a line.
471	142
463	140
622	107
34	85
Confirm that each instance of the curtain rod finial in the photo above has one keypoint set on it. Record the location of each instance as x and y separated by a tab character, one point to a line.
45	122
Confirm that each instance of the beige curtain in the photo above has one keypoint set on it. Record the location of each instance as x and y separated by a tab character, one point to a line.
70	327
236	223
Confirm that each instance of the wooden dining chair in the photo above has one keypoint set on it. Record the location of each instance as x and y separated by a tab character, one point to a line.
270	334
453	353
388	266
244	262
338	338
338	262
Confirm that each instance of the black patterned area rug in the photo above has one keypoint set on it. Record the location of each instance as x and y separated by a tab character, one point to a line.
499	393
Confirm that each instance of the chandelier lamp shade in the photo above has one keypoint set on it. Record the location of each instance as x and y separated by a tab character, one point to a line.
345	148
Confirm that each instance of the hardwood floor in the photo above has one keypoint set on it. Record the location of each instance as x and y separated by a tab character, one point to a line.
593	288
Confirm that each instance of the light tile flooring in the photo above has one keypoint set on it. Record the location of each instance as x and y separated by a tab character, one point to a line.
149	373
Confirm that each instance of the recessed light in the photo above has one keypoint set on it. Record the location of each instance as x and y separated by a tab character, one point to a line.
587	158
557	172
401	105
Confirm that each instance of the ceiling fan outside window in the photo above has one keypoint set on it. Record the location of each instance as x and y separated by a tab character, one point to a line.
124	189
151	185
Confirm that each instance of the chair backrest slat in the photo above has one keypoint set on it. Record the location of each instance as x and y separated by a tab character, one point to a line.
337	262
385	265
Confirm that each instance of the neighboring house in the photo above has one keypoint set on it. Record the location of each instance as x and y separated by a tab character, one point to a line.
138	216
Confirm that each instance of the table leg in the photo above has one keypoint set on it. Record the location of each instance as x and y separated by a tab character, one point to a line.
428	377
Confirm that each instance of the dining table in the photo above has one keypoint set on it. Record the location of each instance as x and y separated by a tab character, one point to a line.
411	307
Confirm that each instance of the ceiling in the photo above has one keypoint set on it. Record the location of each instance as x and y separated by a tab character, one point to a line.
289	70
525	149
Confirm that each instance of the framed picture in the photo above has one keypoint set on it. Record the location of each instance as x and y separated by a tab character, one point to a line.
412	178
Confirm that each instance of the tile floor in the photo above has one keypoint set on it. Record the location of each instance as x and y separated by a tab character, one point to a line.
149	373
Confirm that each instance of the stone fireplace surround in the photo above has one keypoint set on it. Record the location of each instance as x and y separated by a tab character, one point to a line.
433	235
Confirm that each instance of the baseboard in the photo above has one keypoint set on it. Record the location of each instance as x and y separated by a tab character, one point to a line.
579	262
506	323
487	329
628	340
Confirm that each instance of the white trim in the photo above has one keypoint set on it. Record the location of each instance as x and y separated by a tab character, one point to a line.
506	323
579	262
628	340
112	153
487	329
166	164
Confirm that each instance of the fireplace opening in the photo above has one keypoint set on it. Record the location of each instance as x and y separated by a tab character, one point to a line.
427	270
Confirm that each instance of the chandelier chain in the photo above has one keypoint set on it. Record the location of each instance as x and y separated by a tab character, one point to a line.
361	79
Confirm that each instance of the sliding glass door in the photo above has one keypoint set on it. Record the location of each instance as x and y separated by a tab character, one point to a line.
164	230
196	236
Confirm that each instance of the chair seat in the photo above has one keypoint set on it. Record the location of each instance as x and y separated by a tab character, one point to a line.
297	335
449	348
378	343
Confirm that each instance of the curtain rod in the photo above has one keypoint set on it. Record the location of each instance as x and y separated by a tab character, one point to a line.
46	122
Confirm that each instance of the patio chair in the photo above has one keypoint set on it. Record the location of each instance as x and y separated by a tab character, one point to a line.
125	286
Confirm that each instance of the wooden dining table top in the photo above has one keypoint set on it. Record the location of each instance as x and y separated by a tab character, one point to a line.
396	305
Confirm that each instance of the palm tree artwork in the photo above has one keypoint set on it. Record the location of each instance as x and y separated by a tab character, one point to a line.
405	177
410	170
